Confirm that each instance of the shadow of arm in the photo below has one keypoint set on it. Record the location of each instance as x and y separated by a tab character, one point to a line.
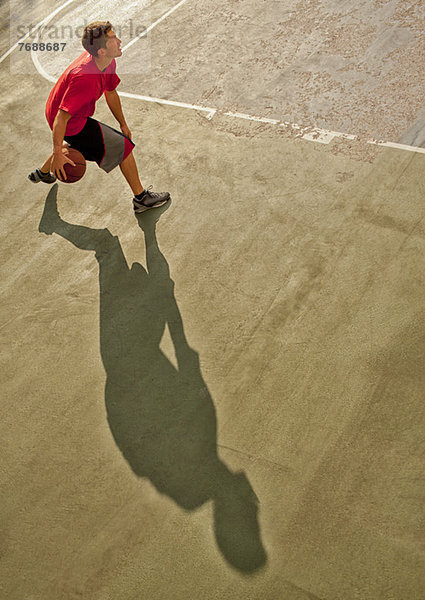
85	238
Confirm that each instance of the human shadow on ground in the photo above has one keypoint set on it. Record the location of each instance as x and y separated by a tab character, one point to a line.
162	418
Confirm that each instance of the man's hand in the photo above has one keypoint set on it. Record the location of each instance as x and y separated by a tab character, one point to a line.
58	161
125	130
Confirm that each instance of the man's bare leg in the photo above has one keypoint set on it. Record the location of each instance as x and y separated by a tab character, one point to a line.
148	199
46	165
129	170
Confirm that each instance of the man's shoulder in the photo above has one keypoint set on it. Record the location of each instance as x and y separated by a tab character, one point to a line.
80	66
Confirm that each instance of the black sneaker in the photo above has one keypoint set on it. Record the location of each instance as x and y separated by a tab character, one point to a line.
37	175
150	200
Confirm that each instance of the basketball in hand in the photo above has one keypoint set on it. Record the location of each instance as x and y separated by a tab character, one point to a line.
73	174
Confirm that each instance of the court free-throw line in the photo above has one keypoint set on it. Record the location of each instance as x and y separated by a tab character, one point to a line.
210	111
398	146
322	136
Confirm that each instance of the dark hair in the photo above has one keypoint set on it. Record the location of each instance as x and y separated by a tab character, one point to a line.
94	36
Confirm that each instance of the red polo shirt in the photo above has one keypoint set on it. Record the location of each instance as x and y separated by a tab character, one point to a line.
77	90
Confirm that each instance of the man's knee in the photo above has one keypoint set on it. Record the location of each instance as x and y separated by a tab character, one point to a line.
128	160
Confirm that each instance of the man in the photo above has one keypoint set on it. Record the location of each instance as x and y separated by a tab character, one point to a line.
69	111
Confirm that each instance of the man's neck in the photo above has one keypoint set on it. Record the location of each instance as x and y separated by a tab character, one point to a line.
102	63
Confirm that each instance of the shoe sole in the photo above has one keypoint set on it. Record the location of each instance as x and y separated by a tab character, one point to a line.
142	209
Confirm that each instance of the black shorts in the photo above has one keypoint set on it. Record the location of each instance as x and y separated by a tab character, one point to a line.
101	143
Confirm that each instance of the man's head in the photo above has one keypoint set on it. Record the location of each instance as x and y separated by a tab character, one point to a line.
100	40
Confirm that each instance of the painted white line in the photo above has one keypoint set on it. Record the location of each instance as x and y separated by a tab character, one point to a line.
38	66
46	19
398	146
34	56
146	31
252	118
316	134
322	136
211	111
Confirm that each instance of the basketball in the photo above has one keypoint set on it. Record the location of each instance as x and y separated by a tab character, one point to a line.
74	174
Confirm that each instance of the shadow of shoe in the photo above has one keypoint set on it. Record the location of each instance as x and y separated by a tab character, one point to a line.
150	217
236	526
50	214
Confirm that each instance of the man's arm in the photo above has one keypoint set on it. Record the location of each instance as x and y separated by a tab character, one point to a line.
114	103
59	128
59	159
